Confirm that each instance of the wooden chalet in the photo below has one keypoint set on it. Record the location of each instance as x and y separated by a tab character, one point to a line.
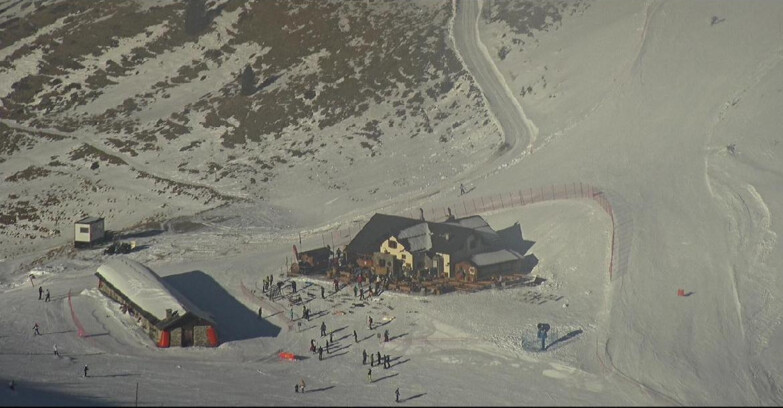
168	317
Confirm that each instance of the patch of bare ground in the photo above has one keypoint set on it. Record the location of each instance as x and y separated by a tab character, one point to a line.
91	153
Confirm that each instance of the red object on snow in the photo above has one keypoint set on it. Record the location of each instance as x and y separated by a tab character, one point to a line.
212	336
287	356
680	292
165	339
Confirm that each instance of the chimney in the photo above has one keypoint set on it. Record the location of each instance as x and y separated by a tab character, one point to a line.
168	313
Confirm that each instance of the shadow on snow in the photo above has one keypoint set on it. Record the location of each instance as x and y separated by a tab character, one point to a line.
234	321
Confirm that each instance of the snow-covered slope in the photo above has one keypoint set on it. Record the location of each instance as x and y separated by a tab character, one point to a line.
669	108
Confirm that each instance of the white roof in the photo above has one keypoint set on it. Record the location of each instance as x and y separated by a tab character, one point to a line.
418	237
143	286
496	257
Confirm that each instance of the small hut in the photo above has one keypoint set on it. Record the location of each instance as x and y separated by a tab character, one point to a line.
88	231
168	317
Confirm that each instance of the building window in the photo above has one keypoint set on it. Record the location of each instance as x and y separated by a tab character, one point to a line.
84	230
392	244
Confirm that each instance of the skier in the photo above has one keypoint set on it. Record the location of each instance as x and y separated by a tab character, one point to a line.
364	357
35	329
40	292
385	336
85	370
322	293
302	385
355	337
321	353
259	312
56	353
369	374
323	329
48	297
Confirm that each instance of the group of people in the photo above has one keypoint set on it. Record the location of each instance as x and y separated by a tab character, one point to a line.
376	359
40	294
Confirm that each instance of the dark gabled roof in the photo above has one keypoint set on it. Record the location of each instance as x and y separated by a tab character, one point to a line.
318	252
89	220
376	230
449	238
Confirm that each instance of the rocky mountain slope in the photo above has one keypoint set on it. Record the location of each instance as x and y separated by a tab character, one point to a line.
144	110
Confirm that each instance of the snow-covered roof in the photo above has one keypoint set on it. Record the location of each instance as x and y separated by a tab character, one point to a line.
418	237
143	286
496	257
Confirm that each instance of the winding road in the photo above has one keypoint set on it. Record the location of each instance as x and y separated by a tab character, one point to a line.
518	131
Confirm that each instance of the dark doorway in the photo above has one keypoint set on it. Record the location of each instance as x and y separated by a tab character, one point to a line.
187	336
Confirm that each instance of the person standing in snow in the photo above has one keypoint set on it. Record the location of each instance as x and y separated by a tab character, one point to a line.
302	385
369	321
385	335
85	370
35	329
327	347
40	292
355	290
355	337
322	293
372	360
379	358
461	189
369	374
56	353
320	353
397	395
364	357
293	286
48	297
387	361
296	387
323	329
259	312
330	336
